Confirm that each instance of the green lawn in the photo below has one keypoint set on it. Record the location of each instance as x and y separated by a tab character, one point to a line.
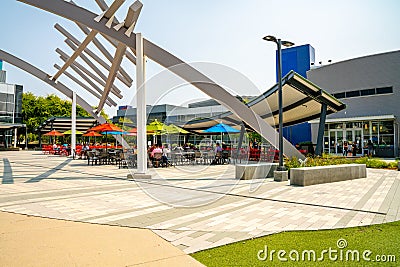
381	239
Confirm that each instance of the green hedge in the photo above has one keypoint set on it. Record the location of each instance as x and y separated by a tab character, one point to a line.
335	160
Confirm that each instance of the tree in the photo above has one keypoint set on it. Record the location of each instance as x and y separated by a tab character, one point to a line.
37	109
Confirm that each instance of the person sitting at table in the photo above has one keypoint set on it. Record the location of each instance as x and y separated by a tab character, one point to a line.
165	152
56	148
85	149
157	149
218	155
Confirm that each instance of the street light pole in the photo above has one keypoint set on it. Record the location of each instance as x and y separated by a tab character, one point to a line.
281	167
279	44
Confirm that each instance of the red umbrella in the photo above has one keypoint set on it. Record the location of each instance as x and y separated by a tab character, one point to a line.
92	133
106	127
54	133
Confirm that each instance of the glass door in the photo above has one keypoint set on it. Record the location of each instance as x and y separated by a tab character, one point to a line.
355	136
336	141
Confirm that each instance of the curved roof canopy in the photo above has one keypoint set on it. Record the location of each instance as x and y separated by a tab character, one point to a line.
302	101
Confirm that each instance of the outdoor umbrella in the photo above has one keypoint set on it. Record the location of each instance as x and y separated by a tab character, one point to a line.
173	129
92	133
54	133
106	128
132	131
221	128
155	128
70	132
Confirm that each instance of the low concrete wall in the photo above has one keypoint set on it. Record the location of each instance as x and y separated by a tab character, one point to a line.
255	171
327	174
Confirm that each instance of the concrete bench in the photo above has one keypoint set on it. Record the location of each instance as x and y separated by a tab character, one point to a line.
255	171
327	174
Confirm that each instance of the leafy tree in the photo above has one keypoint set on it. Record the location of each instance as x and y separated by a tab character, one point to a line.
37	109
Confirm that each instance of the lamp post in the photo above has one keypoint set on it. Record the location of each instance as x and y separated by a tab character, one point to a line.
279	43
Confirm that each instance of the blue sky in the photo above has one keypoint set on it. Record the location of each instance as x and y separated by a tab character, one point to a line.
222	32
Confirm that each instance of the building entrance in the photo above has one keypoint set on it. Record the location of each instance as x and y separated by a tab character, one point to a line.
337	137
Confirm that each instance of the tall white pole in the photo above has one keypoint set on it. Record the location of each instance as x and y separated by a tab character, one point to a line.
15	137
73	123
141	107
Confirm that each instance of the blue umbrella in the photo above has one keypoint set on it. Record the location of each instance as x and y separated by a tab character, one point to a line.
114	133
221	128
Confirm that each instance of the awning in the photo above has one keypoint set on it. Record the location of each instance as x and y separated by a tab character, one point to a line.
8	126
363	118
63	124
302	101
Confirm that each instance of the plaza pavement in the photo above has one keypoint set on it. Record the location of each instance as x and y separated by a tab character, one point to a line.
192	207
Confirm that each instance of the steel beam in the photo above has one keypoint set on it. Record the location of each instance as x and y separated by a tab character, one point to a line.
72	39
109	102
119	53
174	64
75	55
115	90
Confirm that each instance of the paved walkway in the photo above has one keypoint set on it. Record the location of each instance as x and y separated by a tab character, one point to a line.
193	207
33	241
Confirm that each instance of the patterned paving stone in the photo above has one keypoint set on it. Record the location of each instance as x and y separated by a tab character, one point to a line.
193	207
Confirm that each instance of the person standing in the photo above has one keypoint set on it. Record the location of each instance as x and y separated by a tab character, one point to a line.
370	147
354	148
345	148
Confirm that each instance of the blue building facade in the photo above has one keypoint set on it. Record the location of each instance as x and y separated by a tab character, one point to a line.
298	59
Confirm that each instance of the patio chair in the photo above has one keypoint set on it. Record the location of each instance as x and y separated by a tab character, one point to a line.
198	157
226	156
92	157
157	160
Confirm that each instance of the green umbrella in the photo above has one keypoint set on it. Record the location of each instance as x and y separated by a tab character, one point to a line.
70	132
173	129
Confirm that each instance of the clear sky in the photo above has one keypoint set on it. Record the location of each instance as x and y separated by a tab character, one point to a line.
222	32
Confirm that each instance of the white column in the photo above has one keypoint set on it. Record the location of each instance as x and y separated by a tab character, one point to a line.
73	123
141	107
15	137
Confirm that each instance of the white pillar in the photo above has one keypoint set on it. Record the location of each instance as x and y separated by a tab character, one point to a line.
15	137
73	123
141	107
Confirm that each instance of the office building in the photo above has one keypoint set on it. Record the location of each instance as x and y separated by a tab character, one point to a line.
370	88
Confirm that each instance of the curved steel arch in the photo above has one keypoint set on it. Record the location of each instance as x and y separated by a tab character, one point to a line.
171	62
25	66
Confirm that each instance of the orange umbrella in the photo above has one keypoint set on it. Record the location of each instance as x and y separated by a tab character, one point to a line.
54	133
106	127
92	133
133	130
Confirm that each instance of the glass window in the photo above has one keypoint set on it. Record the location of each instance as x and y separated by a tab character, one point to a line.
384	90
386	127
339	95
375	127
366	128
336	126
368	92
353	93
387	140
